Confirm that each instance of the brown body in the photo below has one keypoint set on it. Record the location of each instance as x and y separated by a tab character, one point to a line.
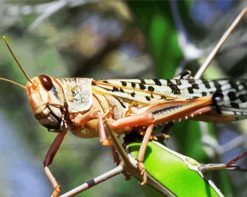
85	125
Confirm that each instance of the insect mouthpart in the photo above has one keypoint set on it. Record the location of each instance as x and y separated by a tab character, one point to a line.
51	118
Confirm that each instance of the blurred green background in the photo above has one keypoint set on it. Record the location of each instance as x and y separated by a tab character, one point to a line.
112	39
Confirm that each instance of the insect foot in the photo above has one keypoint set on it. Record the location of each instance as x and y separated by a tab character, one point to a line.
142	172
106	142
56	191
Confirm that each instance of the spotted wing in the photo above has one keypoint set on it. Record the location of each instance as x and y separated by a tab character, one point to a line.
151	90
229	97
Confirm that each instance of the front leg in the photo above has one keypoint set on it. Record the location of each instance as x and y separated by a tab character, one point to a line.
48	160
102	133
80	120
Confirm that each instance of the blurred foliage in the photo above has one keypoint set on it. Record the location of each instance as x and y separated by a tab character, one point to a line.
116	39
155	20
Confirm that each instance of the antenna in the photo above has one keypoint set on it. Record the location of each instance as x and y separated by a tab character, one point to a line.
13	55
13	82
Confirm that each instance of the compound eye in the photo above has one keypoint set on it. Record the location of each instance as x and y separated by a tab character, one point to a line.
46	82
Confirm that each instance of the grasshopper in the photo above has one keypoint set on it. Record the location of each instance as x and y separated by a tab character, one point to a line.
84	105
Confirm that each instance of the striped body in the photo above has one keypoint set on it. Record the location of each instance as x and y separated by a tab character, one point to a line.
73	102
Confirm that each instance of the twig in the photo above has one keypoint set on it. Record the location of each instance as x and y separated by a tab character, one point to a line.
95	181
220	43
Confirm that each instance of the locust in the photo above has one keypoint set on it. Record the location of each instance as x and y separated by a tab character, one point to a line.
84	106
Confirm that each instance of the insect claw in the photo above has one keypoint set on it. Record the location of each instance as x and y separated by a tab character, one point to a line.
106	143
56	191
142	172
153	138
144	179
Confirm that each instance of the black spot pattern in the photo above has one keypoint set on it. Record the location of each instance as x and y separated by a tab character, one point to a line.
150	88
124	83
173	87
133	85
217	97
115	89
206	83
217	86
142	87
235	105
195	86
234	85
148	98
232	96
132	94
121	90
157	82
190	90
243	97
